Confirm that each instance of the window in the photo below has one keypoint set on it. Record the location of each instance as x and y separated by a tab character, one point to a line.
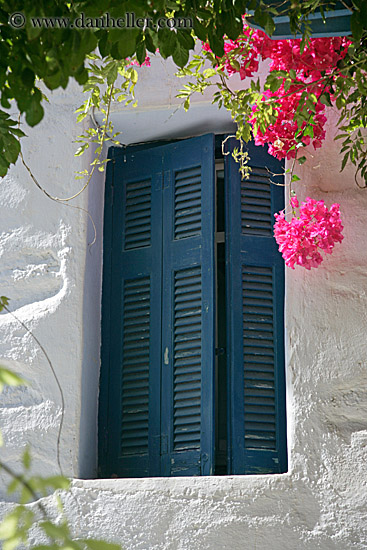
192	378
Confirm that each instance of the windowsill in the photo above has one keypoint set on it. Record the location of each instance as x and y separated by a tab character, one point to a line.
208	484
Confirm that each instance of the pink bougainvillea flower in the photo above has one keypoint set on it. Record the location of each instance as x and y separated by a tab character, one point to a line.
146	62
318	59
317	228
302	239
294	202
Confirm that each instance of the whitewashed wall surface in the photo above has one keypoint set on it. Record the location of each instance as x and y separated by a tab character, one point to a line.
53	278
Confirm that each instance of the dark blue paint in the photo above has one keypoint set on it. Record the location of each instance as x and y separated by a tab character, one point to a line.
252	250
178	255
160	260
165	260
103	419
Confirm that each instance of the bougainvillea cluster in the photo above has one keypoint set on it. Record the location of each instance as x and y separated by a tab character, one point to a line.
317	228
302	239
308	69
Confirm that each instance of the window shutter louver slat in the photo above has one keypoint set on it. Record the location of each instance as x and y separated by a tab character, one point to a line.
187	203
256	215
137	214
256	346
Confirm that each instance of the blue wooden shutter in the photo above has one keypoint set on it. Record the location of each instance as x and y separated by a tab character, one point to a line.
131	312
156	402
188	334
255	301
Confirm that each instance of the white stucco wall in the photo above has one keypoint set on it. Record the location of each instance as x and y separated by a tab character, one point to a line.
43	259
53	279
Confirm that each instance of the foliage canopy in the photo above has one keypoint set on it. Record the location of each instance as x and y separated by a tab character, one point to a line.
30	54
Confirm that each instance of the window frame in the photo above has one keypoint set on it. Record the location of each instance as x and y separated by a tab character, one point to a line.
107	300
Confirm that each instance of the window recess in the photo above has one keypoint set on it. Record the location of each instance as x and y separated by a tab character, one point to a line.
192	377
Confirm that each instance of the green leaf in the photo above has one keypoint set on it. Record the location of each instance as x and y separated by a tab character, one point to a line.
133	75
325	99
308	131
13	486
54	81
232	24
180	55
58	482
5	101
81	75
200	30
11	148
141	52
356	25
293	74
9	526
186	40
57	532
28	77
167	41
151	40
275	84
216	43
208	73
265	21
127	43
34	113
246	132
32	31
4	166
9	378
269	25
12	543
26	459
104	45
112	74
295	178
17	132
301	160
344	162
203	13
81	117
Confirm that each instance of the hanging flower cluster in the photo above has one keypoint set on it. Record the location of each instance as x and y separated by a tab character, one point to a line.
317	228
302	239
297	94
308	69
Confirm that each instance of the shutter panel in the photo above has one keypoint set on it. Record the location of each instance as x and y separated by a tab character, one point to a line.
157	382
132	271
188	336
255	302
